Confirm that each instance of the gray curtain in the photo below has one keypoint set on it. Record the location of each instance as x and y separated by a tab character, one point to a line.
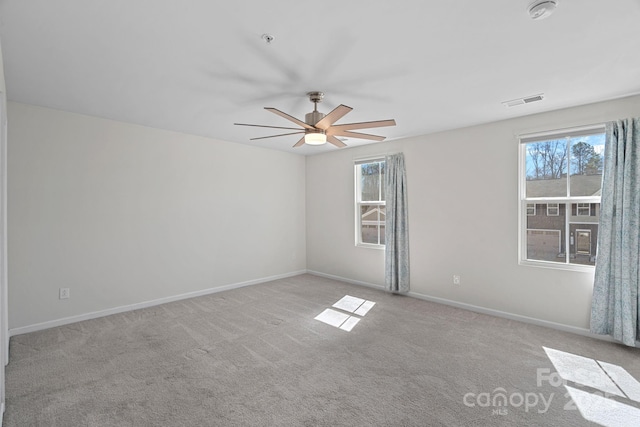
614	309
396	236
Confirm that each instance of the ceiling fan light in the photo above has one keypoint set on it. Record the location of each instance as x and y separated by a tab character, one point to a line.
315	138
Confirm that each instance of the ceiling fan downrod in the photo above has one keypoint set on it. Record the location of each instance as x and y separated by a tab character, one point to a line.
315	116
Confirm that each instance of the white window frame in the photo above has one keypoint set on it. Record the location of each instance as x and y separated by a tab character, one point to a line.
588	208
531	209
550	207
567	201
359	202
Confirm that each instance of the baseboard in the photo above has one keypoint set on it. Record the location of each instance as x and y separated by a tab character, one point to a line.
475	308
504	314
144	304
344	279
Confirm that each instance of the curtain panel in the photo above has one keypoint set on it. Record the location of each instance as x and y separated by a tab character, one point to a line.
396	259
614	309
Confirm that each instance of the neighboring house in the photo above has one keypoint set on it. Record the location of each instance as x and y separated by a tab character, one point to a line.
546	239
373	218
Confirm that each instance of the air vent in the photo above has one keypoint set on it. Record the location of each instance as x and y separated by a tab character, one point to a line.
533	99
525	100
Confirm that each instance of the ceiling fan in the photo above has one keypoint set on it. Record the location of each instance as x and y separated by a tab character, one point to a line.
319	128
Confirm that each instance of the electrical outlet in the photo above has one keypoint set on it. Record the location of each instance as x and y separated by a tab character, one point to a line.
64	293
456	279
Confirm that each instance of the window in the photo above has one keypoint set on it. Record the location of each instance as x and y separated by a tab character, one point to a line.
584	209
562	172
370	204
531	209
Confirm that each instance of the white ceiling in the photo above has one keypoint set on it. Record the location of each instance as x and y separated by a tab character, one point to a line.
198	66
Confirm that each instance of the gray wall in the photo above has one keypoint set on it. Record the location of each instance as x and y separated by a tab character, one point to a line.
463	218
122	214
2	83
4	343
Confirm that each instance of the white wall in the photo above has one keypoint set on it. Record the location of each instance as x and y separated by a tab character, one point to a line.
463	218
123	214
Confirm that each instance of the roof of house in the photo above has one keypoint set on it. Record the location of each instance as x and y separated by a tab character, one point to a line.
581	185
373	214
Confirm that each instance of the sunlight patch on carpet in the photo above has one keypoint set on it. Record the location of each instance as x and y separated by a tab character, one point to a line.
629	385
603	411
339	319
582	370
612	383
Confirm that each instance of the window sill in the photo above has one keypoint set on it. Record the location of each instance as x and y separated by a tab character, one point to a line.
557	266
370	246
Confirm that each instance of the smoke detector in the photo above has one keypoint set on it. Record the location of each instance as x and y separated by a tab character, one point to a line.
541	9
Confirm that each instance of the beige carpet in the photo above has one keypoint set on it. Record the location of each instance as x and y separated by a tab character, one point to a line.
256	356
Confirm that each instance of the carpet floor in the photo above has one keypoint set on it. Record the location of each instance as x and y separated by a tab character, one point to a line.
256	356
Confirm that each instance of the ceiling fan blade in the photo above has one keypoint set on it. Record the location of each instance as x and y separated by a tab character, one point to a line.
264	126
288	117
365	125
356	135
274	136
299	143
335	141
335	115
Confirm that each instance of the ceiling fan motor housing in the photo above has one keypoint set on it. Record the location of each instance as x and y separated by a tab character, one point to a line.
313	117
